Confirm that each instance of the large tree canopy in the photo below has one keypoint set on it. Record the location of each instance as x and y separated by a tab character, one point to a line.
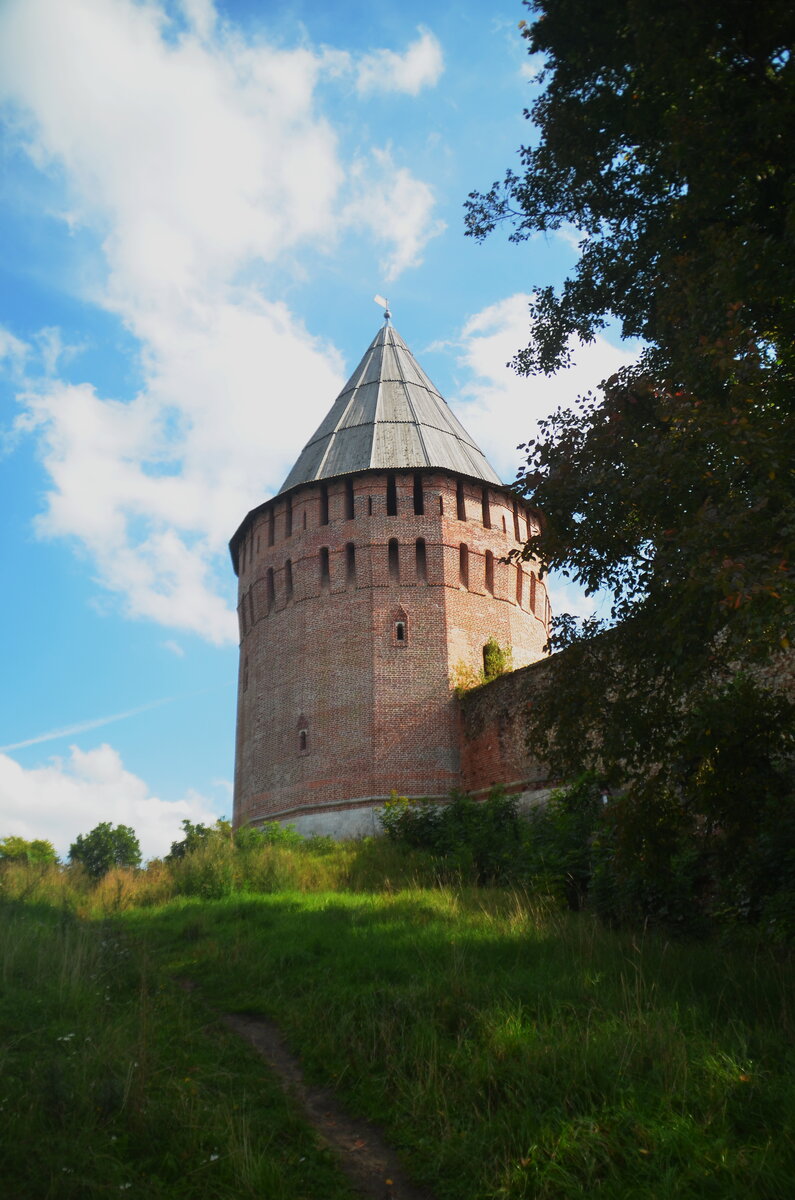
665	137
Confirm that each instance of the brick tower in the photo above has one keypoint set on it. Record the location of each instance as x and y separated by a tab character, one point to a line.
370	578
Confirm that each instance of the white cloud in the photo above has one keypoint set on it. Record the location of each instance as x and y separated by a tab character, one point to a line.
500	408
419	67
567	597
396	207
70	796
194	158
174	648
200	15
13	352
154	488
53	351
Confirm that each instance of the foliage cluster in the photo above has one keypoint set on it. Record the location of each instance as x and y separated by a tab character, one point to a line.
631	859
497	660
194	835
105	847
478	842
548	851
660	138
19	849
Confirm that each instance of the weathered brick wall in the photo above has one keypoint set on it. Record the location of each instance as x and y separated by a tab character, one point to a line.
320	659
495	748
493	726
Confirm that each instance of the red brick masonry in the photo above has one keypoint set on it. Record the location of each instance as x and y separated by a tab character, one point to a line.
493	733
352	621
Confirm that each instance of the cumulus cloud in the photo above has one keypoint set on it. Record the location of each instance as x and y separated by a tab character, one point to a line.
153	488
386	71
501	408
195	156
396	207
201	15
71	795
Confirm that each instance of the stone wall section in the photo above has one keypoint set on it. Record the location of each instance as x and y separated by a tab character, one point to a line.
493	727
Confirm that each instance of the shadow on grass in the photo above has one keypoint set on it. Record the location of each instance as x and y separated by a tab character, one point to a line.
513	1052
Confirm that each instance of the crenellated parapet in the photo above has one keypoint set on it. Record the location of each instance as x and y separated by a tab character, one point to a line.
332	538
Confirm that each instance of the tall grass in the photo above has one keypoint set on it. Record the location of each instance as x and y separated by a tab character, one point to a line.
511	1049
514	1051
113	1081
217	869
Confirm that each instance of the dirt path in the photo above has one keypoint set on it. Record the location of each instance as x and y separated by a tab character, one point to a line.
369	1163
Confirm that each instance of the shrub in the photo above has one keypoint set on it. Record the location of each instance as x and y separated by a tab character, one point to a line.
474	840
558	841
197	835
496	659
19	849
105	847
252	837
209	871
650	864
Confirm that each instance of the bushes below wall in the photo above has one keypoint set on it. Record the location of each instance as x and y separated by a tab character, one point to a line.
632	860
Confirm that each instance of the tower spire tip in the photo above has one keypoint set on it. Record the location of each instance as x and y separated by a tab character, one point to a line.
385	305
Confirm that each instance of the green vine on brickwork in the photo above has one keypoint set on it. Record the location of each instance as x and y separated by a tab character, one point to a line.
497	660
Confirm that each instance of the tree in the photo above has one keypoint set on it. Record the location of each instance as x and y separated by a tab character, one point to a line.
197	835
664	138
19	849
106	847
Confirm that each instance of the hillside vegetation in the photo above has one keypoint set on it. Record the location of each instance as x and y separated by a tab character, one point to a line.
509	1047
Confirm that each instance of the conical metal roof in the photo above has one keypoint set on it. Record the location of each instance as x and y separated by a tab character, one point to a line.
389	415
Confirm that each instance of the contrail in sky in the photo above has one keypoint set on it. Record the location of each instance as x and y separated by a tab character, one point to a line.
82	726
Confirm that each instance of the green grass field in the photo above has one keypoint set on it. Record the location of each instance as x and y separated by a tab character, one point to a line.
117	1083
509	1050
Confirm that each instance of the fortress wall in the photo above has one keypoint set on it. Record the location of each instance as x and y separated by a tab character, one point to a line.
493	733
494	740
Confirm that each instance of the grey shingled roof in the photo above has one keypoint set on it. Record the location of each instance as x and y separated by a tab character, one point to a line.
389	415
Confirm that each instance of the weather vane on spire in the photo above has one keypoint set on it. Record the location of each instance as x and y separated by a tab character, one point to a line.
385	305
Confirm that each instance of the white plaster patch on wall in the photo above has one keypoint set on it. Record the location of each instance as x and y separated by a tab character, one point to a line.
342	825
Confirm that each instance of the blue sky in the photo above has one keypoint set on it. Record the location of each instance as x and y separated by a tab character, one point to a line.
197	204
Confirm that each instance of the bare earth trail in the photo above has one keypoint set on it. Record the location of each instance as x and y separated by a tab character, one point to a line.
372	1166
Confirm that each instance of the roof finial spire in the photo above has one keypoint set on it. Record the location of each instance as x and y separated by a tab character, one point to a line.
385	304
